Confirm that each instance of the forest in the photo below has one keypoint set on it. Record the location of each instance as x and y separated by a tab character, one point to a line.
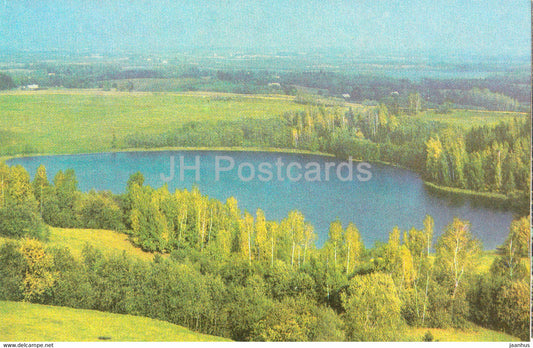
221	271
218	270
503	92
484	158
422	109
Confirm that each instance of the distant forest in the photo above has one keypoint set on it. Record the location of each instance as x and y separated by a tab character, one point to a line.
511	92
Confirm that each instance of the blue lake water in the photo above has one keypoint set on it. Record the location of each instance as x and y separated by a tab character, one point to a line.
392	196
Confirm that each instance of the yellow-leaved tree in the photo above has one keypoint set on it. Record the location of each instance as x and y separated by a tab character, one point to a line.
38	273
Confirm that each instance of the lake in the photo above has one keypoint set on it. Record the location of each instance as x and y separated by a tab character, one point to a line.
376	197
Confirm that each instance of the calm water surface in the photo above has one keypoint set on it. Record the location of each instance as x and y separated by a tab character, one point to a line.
391	197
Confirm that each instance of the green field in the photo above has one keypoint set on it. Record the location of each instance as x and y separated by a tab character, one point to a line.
37	121
107	241
74	121
33	322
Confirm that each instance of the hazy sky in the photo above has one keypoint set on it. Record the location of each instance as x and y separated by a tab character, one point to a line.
448	27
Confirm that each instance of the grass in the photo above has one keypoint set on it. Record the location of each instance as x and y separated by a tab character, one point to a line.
490	199
36	121
474	334
33	322
488	257
74	121
106	241
470	118
488	196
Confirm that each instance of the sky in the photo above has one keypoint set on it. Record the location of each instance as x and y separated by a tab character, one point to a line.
377	27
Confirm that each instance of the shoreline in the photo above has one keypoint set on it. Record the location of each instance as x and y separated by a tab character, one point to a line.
498	199
177	148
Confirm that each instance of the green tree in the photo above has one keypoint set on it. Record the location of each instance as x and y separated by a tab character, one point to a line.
262	240
372	309
513	309
40	186
246	237
12	267
335	239
434	160
98	211
38	273
66	190
273	229
457	253
354	247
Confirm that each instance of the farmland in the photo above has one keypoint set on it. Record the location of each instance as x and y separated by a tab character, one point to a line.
36	122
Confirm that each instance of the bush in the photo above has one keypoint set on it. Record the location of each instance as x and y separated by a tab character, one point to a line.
428	337
372	308
99	211
22	220
12	266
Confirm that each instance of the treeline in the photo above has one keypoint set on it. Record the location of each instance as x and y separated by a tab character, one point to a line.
484	159
493	159
495	93
248	132
509	93
26	207
237	275
6	82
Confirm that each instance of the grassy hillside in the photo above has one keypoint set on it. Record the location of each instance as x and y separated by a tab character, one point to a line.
33	322
107	241
475	334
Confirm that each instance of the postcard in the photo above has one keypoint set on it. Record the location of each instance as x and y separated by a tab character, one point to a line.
265	171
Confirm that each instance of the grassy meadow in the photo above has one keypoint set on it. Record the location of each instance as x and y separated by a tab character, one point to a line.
34	322
35	121
38	121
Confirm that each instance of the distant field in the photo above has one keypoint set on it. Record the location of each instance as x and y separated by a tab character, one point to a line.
80	121
75	121
106	241
475	334
470	118
23	322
